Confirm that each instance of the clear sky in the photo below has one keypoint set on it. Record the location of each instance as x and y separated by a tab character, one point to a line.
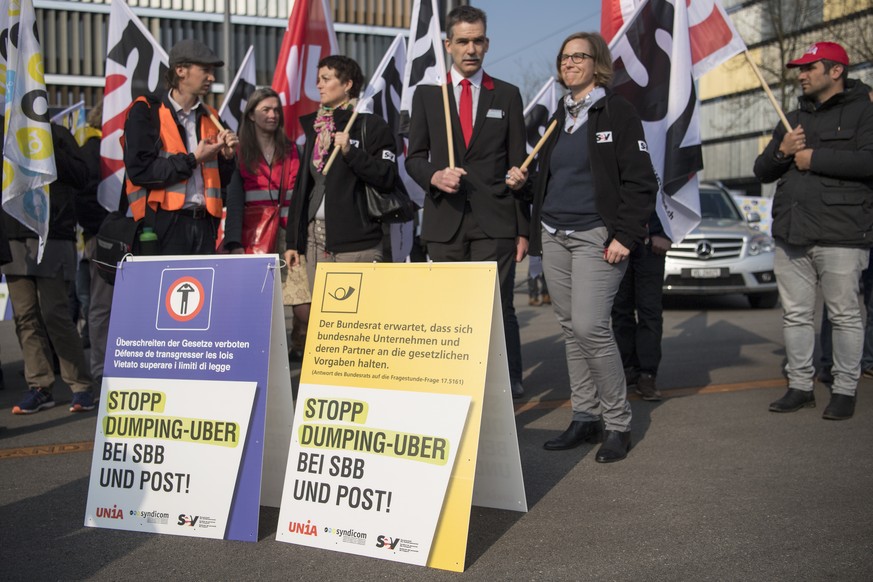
525	36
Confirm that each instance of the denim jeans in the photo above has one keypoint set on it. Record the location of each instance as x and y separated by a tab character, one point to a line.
799	270
583	286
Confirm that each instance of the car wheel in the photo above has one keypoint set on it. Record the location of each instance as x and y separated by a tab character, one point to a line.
763	300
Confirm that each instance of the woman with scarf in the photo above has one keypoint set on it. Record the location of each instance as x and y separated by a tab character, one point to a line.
264	181
593	195
329	219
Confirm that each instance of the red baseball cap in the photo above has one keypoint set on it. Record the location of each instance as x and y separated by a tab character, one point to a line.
822	50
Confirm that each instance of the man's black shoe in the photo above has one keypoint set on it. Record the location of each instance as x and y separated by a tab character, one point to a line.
615	447
646	388
517	389
841	407
793	401
579	432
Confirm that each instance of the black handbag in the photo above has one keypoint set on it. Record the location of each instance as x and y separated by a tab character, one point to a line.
394	206
116	238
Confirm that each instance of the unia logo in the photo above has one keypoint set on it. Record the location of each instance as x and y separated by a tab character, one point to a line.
307	529
110	512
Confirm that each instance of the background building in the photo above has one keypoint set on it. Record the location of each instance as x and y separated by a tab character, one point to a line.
737	119
74	35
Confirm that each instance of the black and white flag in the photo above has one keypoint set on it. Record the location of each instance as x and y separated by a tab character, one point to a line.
539	111
237	95
661	47
382	97
425	58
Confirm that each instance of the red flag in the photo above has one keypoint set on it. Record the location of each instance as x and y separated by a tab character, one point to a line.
613	14
308	39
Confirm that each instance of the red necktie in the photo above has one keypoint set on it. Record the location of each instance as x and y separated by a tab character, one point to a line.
466	110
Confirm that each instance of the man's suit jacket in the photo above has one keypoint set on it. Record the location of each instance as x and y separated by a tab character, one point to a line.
497	144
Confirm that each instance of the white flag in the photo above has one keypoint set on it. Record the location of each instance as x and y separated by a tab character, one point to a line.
237	96
4	35
135	65
28	152
425	58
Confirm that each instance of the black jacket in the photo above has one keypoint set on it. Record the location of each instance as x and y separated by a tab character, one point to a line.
625	184
347	223
143	161
497	144
832	203
72	177
89	212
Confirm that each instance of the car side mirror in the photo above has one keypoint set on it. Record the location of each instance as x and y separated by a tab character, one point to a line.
754	217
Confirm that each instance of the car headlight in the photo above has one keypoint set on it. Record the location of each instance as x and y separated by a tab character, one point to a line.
760	243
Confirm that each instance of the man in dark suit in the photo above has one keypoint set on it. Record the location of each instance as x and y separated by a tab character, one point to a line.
470	214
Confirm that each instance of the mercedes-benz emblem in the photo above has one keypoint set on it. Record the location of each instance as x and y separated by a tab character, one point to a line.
704	249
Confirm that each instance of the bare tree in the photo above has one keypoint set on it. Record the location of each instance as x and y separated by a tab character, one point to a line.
851	22
534	77
784	22
782	29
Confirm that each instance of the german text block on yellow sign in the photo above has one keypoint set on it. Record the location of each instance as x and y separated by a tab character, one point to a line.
417	328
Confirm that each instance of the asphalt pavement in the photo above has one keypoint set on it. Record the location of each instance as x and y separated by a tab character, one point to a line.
715	488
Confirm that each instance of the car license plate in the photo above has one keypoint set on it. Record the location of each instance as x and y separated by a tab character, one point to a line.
706	273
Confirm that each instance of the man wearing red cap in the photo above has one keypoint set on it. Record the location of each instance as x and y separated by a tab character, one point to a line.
822	222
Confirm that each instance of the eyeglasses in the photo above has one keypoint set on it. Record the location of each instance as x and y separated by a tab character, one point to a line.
577	58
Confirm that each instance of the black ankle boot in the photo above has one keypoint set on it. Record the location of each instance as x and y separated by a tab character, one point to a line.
794	400
579	432
841	407
615	447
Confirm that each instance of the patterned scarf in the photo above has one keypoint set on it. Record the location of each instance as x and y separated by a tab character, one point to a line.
577	112
325	128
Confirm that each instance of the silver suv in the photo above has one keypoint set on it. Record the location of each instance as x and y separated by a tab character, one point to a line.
724	254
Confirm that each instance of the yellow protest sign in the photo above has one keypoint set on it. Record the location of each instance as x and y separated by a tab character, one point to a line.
411	352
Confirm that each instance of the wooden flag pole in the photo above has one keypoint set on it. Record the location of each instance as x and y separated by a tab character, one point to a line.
216	121
767	90
540	143
336	150
449	136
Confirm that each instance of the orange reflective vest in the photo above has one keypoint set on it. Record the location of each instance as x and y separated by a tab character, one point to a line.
173	197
